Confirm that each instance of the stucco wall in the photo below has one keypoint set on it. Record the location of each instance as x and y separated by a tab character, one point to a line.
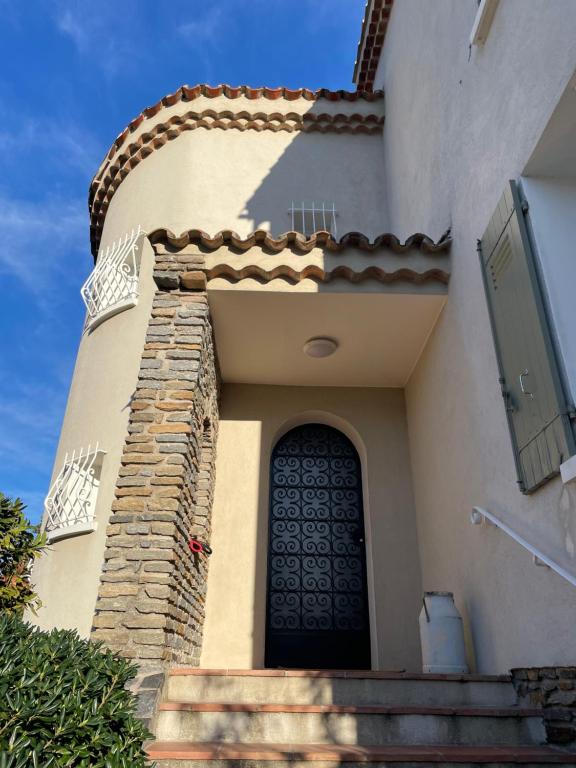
459	124
97	411
252	418
227	179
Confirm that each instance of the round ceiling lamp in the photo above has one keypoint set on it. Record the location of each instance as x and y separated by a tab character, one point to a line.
321	346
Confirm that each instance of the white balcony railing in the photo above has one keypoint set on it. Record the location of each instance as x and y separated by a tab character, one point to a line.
113	285
71	502
479	515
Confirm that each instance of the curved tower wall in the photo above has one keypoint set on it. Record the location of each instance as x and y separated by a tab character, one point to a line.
97	411
210	177
243	178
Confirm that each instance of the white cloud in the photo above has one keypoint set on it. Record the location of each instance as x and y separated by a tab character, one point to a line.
45	227
80	34
42	242
35	409
105	31
47	419
52	141
204	28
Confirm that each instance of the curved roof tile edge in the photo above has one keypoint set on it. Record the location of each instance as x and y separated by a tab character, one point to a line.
313	272
188	93
298	241
372	36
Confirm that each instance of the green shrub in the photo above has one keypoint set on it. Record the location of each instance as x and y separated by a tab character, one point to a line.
20	543
63	702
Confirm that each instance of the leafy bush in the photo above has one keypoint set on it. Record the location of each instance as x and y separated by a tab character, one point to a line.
20	543
63	702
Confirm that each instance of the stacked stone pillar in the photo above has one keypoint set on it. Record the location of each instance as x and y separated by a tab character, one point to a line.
151	598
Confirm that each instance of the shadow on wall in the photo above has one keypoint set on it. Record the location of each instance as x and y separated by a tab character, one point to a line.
344	169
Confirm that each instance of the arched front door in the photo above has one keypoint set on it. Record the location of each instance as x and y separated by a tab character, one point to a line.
317	608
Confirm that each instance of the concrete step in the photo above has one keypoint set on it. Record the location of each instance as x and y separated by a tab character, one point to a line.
268	686
353	725
183	754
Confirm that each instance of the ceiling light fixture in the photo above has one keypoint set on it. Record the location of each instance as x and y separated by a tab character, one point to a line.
320	346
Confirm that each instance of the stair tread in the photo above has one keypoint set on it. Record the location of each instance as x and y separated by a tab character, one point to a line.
461	711
339	673
187	750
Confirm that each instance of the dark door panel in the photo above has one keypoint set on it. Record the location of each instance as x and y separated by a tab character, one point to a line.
317	614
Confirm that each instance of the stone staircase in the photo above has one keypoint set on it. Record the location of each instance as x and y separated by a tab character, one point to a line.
291	718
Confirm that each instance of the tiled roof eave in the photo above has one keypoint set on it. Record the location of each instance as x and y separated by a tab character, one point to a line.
298	242
319	275
227	257
372	36
189	93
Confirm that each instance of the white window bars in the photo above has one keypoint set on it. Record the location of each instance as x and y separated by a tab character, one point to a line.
113	284
71	501
311	218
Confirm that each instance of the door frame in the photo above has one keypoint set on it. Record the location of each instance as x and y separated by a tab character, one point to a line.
332	420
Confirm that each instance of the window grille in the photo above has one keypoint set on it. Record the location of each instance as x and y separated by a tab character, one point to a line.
71	501
113	284
310	218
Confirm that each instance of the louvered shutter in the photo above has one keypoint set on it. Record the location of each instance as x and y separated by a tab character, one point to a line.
536	407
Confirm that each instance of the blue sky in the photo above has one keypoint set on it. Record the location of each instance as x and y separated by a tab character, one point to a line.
74	73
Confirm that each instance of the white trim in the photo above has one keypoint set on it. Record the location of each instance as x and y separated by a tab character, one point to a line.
568	470
483	21
479	515
128	303
66	532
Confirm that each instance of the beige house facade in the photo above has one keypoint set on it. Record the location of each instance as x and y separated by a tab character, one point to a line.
284	421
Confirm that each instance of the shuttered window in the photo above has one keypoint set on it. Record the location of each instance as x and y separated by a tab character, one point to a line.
535	403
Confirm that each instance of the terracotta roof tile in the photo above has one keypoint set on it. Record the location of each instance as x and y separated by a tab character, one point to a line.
374	26
299	242
295	242
189	93
320	275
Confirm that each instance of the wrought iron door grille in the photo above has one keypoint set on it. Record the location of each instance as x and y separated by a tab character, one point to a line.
316	552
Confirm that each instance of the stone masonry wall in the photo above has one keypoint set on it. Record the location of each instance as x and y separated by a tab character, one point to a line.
151	599
553	689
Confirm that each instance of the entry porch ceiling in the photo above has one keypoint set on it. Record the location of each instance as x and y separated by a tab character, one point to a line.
260	335
268	296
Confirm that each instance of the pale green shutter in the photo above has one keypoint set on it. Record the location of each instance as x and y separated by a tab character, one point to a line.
537	410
